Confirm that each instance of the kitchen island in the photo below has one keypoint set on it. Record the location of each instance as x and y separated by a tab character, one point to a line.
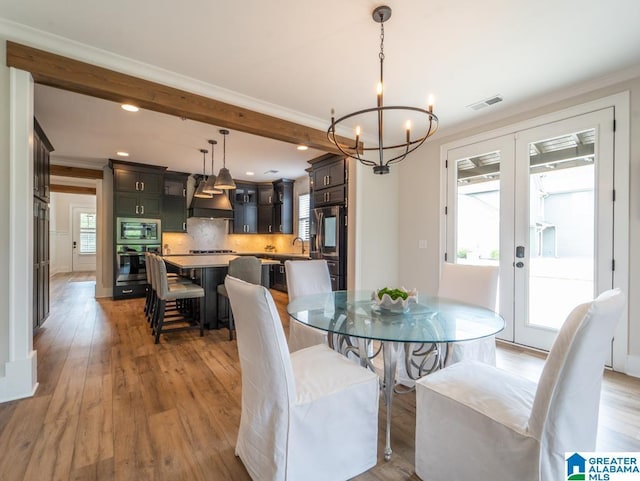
209	271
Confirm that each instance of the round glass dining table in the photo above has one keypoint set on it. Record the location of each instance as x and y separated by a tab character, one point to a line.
353	320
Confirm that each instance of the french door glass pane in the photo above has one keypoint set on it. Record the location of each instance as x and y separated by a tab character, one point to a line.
478	209
561	226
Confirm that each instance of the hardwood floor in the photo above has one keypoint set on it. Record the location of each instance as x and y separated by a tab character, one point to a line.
111	405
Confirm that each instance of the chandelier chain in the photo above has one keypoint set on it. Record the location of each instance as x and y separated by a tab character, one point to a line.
381	55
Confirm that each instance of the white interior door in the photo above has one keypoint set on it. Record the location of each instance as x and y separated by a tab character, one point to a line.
538	203
84	239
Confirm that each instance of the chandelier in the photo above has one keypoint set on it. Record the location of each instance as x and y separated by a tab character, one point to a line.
382	155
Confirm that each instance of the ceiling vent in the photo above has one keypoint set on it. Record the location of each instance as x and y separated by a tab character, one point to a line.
271	171
486	102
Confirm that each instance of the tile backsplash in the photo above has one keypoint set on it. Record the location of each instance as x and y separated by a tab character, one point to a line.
213	234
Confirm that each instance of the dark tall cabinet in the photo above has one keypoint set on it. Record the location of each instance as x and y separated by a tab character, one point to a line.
41	255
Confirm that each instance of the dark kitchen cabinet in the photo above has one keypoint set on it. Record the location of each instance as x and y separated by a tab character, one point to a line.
41	262
174	202
265	194
134	205
328	174
40	225
137	189
283	206
41	161
245	209
148	183
329	181
334	195
278	277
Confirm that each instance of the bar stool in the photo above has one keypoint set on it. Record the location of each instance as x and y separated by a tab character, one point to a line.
246	268
188	316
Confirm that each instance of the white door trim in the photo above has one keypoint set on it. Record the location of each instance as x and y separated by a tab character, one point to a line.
18	374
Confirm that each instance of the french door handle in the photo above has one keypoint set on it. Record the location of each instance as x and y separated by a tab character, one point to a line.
520	265
520	252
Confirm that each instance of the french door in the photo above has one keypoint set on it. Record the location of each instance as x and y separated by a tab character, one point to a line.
538	203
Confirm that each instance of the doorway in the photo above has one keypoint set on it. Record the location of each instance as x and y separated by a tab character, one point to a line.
84	239
538	203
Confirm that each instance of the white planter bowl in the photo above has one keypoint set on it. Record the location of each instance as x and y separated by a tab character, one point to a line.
397	305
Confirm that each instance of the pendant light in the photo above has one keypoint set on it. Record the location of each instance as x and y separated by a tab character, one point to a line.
203	181
209	187
224	180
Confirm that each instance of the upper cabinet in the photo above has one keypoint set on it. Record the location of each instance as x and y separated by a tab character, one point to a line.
41	150
245	208
174	202
137	189
142	182
283	206
329	181
265	208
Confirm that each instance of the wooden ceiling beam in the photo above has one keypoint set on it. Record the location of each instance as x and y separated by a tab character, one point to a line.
69	74
75	172
72	189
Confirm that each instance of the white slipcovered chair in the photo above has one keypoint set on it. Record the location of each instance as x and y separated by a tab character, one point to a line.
310	415
306	278
475	421
477	285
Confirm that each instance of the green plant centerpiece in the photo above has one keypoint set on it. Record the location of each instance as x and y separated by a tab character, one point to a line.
395	300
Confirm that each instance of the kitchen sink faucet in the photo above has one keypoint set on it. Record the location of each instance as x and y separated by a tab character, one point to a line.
301	241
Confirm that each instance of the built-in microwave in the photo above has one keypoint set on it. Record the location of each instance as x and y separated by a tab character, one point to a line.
138	231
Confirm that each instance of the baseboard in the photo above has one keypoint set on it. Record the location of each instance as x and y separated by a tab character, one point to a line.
632	366
20	380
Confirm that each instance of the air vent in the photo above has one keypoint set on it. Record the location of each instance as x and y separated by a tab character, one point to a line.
272	171
486	102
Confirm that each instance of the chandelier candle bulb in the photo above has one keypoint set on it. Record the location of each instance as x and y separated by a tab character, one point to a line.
430	103
408	127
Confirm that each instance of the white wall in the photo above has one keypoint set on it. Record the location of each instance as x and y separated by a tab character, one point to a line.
61	228
420	190
4	210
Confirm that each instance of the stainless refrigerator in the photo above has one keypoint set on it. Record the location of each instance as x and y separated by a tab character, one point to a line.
329	241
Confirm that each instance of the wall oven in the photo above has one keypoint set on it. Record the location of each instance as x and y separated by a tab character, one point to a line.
138	231
329	241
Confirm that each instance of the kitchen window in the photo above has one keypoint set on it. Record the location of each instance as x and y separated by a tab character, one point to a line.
303	216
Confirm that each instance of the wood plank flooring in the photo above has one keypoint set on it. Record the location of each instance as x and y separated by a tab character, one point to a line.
111	405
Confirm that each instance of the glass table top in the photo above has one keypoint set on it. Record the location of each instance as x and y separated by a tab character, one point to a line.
431	319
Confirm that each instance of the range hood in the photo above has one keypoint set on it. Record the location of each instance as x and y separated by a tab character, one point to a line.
217	207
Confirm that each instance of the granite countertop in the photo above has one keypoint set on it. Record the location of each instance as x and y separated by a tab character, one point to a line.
203	261
278	255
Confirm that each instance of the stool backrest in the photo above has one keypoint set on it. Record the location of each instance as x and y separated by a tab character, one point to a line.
246	268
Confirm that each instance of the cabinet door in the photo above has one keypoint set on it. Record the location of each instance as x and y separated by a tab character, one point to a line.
150	206
238	226
328	175
265	194
251	218
125	180
334	195
174	214
283	209
174	204
150	184
126	205
265	219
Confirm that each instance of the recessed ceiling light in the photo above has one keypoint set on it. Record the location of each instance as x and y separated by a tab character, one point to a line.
122	154
302	147
129	107
250	173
